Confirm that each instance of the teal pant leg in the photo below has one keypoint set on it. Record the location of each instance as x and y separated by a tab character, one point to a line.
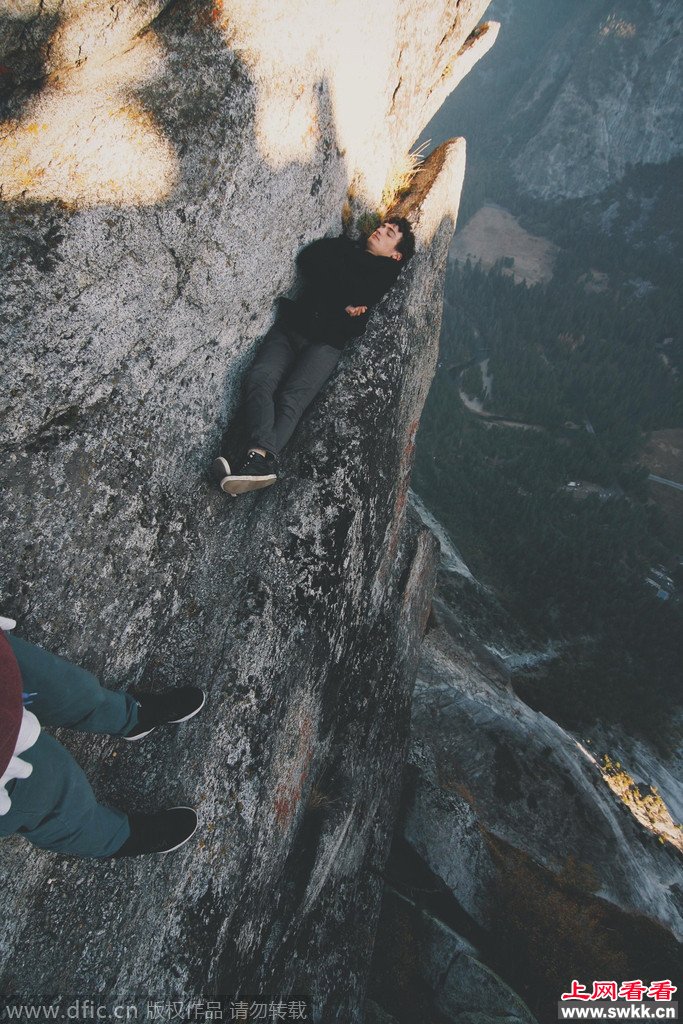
55	807
65	694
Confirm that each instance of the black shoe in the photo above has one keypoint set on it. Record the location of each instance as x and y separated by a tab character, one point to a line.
158	833
221	469
255	472
166	708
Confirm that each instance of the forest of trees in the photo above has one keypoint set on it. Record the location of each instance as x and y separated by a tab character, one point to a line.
563	356
558	353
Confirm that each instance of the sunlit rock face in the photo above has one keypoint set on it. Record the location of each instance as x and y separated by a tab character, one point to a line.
150	211
149	183
39	37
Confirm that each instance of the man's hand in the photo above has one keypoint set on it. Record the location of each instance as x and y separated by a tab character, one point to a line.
356	310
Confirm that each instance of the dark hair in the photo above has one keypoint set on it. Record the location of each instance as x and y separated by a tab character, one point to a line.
406	246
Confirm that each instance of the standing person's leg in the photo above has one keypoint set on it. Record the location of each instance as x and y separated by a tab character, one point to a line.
315	363
55	808
64	694
275	356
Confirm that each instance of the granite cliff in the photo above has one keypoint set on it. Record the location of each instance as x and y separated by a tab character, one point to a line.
577	92
606	96
161	164
515	848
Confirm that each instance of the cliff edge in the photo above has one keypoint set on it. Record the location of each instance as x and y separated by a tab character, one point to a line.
161	165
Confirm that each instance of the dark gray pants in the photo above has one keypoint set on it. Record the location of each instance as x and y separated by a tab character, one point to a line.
285	377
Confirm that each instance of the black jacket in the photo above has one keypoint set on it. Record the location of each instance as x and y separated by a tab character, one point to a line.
337	273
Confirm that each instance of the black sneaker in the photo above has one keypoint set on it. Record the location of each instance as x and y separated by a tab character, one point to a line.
158	833
255	472
166	708
221	469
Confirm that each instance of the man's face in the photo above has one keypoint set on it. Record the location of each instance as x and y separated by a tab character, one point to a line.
384	239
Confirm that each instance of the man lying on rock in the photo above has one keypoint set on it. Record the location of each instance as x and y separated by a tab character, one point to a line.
342	281
44	795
